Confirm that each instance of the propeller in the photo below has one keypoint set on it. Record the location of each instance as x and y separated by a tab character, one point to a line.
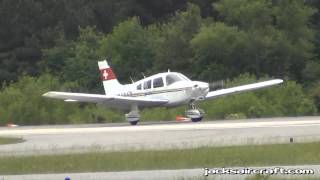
215	85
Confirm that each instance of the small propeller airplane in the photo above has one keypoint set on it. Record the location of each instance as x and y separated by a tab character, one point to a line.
167	89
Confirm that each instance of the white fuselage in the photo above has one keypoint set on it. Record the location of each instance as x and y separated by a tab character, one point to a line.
172	86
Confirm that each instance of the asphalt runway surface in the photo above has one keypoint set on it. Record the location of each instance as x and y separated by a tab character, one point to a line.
168	135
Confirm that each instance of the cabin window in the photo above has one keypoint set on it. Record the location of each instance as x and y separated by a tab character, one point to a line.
147	84
158	82
139	87
172	78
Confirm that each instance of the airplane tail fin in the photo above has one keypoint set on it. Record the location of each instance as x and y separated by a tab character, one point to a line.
110	83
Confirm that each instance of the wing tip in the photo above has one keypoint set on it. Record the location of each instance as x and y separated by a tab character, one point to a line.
278	81
47	94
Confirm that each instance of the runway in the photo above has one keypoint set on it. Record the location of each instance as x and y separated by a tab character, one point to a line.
122	137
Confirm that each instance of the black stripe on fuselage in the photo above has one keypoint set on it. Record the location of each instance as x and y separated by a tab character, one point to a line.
153	92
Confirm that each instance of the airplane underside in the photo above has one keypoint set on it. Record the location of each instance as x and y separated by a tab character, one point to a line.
193	112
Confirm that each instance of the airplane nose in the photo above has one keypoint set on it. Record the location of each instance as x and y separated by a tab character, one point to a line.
204	86
201	86
200	89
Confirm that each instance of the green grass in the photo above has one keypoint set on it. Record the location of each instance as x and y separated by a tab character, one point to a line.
260	155
10	140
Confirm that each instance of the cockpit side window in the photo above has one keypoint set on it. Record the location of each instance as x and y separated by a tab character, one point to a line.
139	87
158	82
172	78
147	84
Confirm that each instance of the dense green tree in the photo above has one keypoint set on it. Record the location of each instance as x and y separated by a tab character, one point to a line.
82	66
54	58
287	99
245	14
75	61
172	41
21	103
128	49
293	17
27	26
219	51
279	34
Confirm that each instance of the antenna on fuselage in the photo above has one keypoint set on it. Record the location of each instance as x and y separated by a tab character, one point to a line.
143	75
168	70
131	80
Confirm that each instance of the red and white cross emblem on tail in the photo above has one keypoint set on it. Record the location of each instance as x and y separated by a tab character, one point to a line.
107	74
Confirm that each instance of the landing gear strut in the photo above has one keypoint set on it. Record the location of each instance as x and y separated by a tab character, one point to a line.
133	116
194	113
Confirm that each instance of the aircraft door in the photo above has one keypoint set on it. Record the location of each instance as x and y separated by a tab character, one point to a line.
147	87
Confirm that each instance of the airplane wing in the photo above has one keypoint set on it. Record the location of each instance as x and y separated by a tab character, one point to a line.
105	99
223	92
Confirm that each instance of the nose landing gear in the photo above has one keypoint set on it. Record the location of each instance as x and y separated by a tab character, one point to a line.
194	113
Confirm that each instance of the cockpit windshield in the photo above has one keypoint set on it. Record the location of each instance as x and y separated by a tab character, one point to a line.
172	78
184	77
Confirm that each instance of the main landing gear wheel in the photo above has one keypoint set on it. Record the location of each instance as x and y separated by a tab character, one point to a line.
194	113
196	119
133	116
134	122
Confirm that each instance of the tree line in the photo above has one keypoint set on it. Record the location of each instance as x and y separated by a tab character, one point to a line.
55	45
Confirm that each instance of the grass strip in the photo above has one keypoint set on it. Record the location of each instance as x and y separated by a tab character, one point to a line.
253	155
10	140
